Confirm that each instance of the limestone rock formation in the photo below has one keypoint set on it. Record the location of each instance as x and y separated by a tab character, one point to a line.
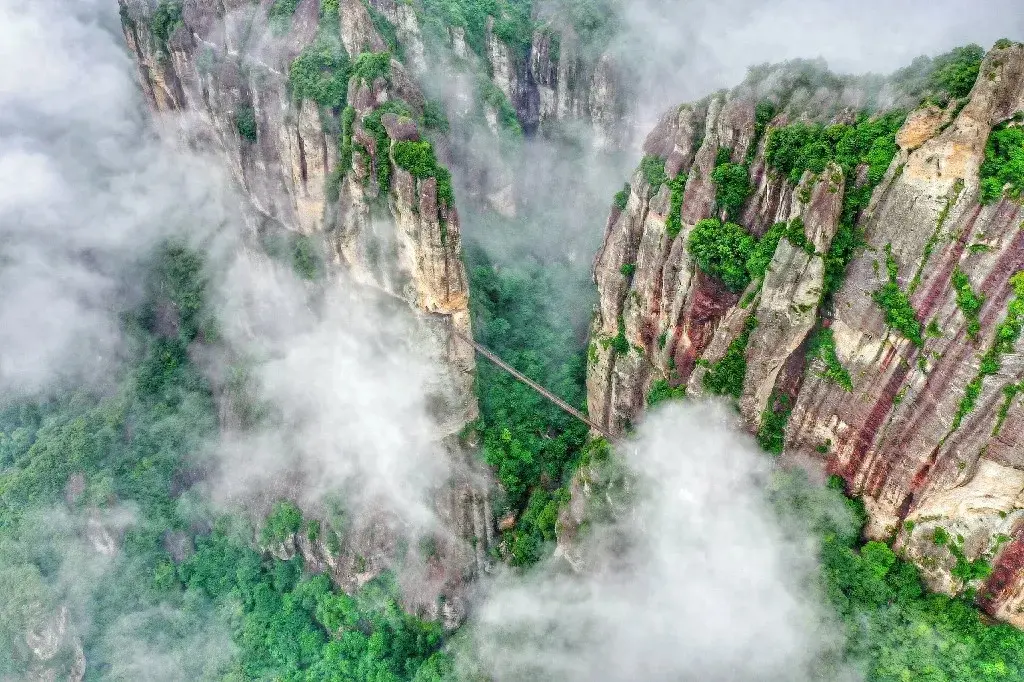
924	424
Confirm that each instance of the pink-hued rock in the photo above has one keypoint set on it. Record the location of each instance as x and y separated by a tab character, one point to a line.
891	437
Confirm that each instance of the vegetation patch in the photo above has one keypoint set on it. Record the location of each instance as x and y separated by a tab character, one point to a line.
653	169
384	27
419	159
726	376
372	122
969	302
1010	394
663	391
732	186
772	433
492	96
533	447
1002	172
721	250
899	314
956	72
929	247
280	15
729	253
434	116
800	147
369	66
674	221
245	123
628	269
321	73
165	21
622	197
1006	337
822	345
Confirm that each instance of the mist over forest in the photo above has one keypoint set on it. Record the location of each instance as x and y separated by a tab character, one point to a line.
763	260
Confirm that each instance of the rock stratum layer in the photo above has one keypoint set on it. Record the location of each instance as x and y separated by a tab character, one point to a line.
917	413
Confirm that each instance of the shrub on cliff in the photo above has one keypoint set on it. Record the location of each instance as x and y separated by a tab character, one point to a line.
721	250
245	122
369	66
1003	168
321	73
418	158
732	186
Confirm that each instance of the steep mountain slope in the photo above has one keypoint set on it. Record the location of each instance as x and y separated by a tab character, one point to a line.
329	150
852	286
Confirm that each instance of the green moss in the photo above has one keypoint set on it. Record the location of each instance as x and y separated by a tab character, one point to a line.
726	376
1007	334
245	123
721	250
663	391
969	302
1002	172
1010	393
899	314
628	269
369	66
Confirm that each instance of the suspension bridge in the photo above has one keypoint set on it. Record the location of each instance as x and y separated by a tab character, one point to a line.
522	378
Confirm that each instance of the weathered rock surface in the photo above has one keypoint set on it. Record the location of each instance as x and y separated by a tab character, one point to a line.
894	436
222	59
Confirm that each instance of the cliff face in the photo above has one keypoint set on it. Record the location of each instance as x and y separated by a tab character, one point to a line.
314	151
550	80
916	412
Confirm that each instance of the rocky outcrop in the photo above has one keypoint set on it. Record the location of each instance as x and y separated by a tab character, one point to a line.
922	429
328	171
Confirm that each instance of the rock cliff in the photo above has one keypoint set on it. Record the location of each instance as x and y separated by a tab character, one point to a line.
542	69
323	131
860	303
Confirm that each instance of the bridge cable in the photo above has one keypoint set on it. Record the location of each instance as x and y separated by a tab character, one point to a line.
566	407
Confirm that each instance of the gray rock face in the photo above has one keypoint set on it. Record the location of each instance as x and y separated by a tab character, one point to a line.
899	434
222	60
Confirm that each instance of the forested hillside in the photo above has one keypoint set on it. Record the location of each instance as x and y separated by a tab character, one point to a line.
293	467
